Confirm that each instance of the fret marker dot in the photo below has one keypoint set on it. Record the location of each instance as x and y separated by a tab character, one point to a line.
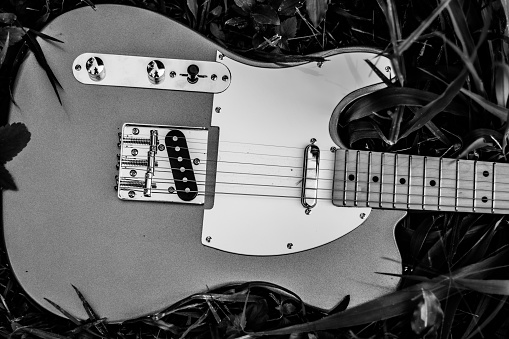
486	173
402	181
351	177
484	199
375	179
433	183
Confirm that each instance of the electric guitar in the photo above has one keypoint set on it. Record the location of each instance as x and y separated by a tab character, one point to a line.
173	166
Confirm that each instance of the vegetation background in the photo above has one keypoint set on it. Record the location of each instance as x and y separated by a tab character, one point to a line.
450	100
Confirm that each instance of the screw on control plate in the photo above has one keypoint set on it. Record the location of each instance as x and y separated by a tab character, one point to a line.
77	67
131	194
208	239
289	245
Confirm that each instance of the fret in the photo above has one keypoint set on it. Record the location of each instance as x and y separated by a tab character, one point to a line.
356	199
431	167
465	183
401	181
375	179
483	191
387	186
409	181
447	184
368	198
493	189
500	188
350	178
416	183
382	157
456	186
363	178
439	182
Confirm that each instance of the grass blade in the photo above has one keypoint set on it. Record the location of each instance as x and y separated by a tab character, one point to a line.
428	112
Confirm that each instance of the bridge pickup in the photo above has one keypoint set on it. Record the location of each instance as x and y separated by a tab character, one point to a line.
181	165
170	167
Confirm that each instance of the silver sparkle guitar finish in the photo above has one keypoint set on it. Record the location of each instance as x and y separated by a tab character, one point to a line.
66	224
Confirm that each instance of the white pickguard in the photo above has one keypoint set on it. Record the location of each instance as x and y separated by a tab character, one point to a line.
266	118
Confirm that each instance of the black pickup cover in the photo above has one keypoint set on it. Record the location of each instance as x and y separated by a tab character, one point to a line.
181	165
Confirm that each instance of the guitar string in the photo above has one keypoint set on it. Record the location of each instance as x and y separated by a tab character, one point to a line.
351	191
356	174
369	204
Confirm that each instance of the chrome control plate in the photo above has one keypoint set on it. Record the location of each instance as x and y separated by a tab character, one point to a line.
140	72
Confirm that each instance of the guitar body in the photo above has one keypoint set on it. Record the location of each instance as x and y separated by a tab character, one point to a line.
66	224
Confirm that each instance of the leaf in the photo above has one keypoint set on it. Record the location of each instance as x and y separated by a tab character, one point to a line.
7	18
265	15
42	35
15	34
64	312
237	22
499	112
500	287
245	5
288	28
41	333
393	96
91	4
193	7
13	138
289	7
405	44
316	10
428	112
502	84
217	31
3	54
428	314
41	59
91	313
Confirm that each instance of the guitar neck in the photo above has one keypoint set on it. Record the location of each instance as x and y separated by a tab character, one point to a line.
387	180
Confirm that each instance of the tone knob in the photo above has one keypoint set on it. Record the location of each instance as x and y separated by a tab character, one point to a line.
192	73
155	71
95	68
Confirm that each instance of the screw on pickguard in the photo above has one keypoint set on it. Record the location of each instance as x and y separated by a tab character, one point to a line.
181	165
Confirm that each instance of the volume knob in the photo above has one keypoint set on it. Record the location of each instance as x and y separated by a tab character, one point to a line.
155	71
95	68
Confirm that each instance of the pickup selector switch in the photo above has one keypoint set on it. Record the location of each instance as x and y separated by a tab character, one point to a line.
192	73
